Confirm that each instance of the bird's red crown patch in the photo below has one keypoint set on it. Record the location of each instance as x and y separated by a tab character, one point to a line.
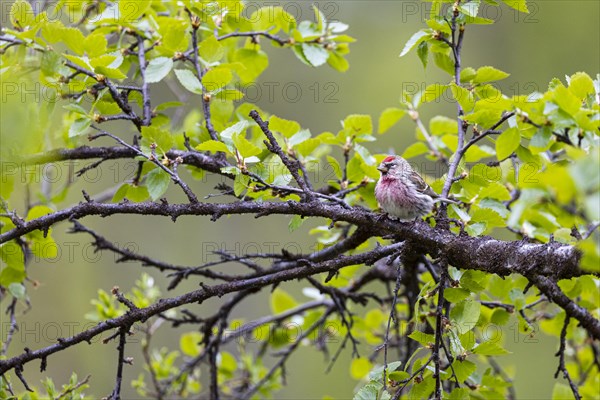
389	158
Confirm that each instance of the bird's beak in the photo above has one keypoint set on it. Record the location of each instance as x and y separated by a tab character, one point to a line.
383	169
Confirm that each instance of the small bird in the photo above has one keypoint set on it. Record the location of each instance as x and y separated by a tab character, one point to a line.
401	192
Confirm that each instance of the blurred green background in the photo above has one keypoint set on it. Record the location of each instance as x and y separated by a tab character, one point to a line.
555	39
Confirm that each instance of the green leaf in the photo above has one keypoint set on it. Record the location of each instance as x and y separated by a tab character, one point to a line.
316	54
398	375
131	10
162	138
440	125
388	118
121	193
189	343
423	53
519	5
459	394
560	391
414	40
541	141
254	61
286	127
17	290
111	73
358	124
463	369
137	193
466	314
424	339
338	62
95	44
216	79
471	8
500	317
158	68
489	74
281	301
79	126
495	190
490	349
240	184
244	146
211	50
157	182
467	74
456	295
415	149
367	392
507	143
213	146
295	223
360	367
189	80
444	62
432	92
21	14
463	96
12	255
74	39
581	85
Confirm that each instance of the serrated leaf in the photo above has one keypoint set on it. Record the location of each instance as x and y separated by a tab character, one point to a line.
254	61
295	223
79	126
415	149
519	5
388	118
111	73
244	146
463	96
424	339
507	143
95	44
21	14
465	315
211	50
188	80
423	53
162	138
581	85
316	54
286	127
490	349
130	10
414	40
358	124
444	62
216	79
158	68
456	295
471	8
489	74
463	369
157	182
213	146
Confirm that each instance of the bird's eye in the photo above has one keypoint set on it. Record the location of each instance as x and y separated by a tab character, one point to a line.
392	165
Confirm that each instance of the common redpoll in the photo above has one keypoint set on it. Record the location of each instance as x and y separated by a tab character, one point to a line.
401	192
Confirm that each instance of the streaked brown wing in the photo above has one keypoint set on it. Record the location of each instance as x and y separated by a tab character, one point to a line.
421	185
